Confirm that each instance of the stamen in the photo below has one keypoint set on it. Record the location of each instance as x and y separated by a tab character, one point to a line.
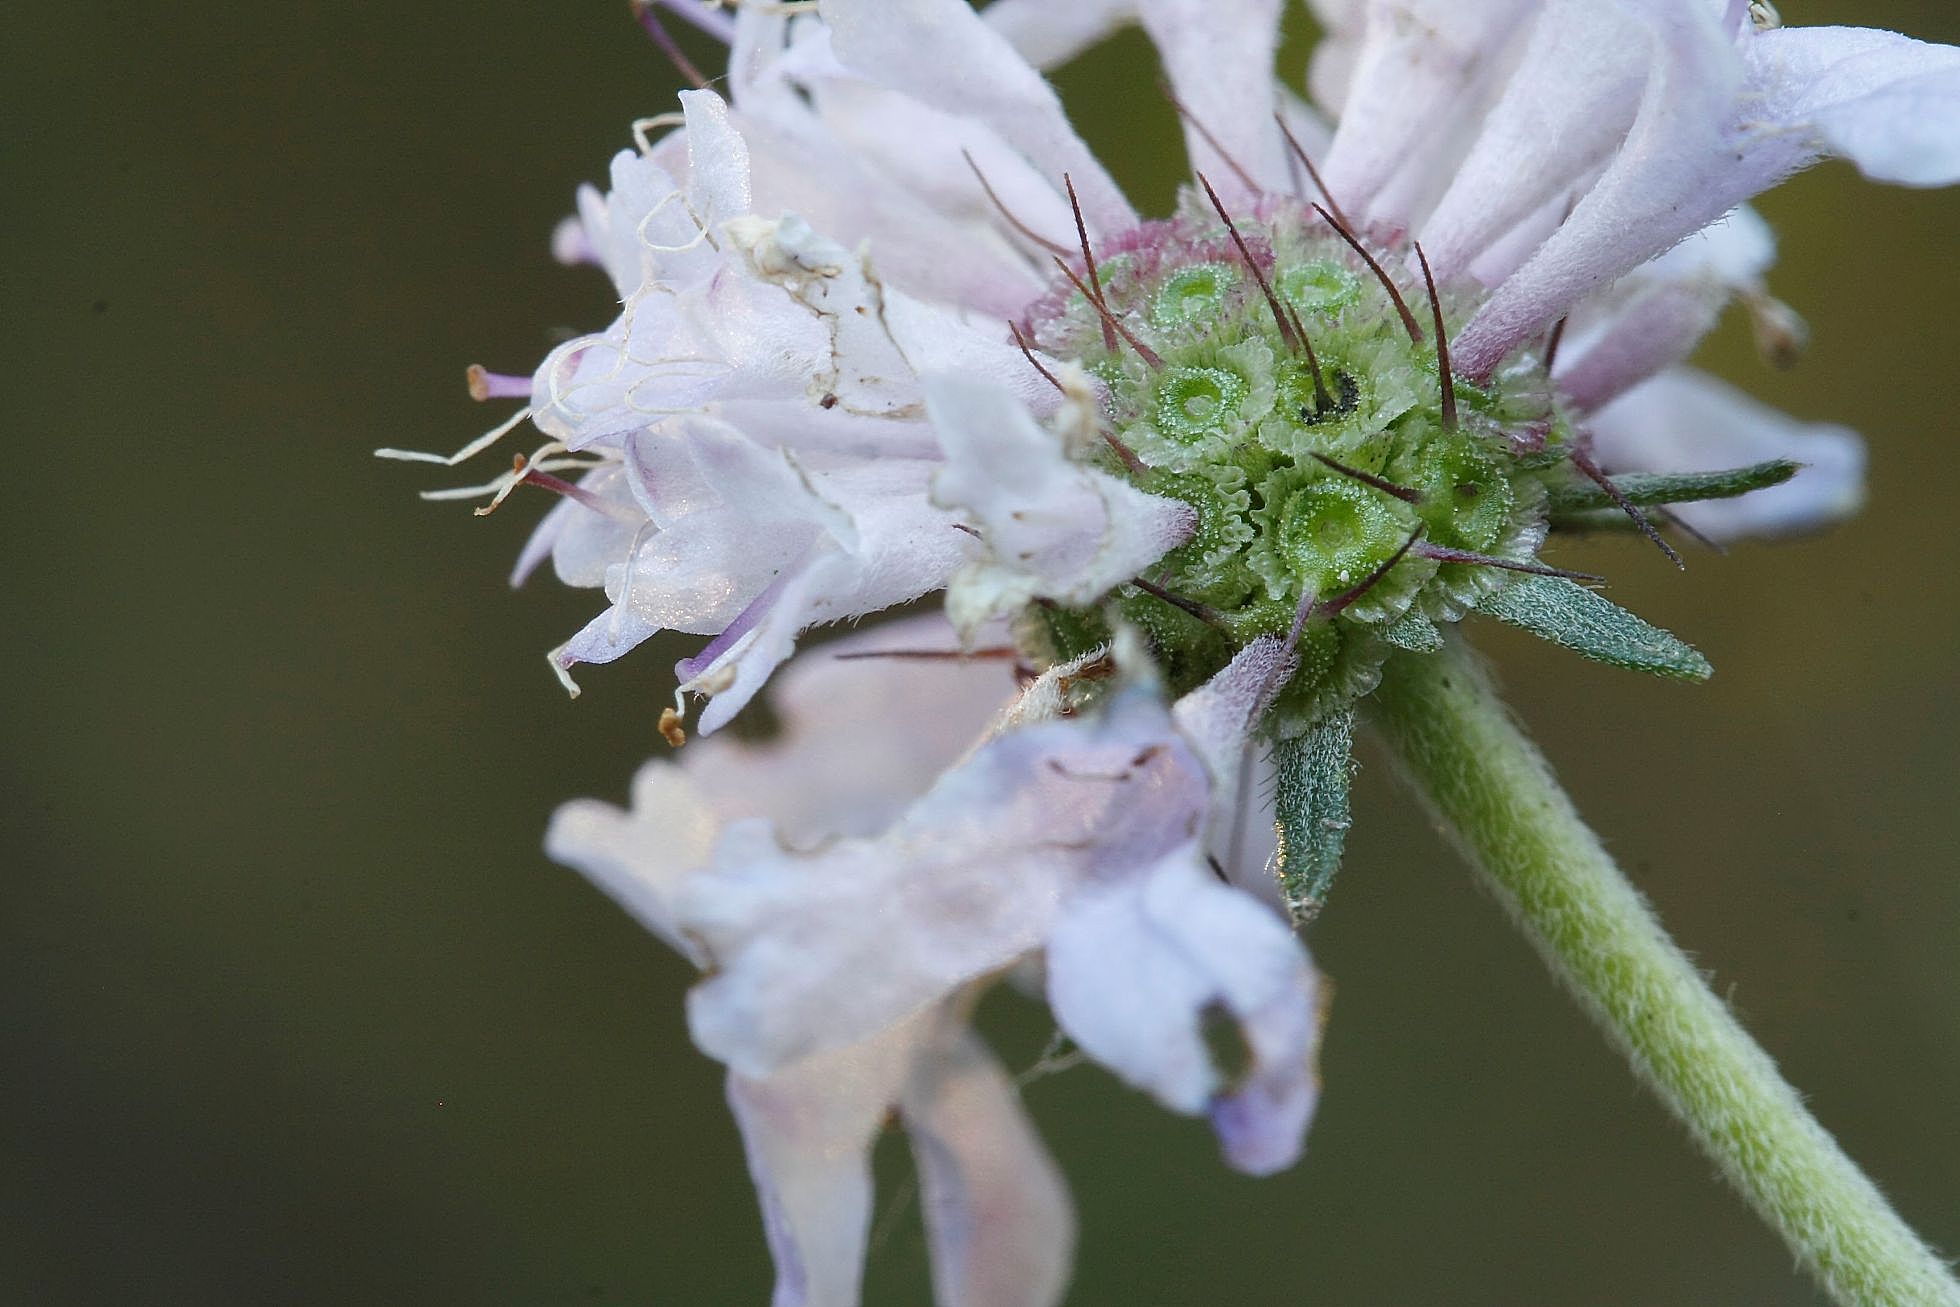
1583	461
1443	372
691	670
1300	153
502	482
526	472
1342	230
561	667
1445	555
519	466
1286	332
650	23
1370	581
642	125
1202	612
1407	494
467	452
1111	322
1089	260
1007	213
1209	139
485	384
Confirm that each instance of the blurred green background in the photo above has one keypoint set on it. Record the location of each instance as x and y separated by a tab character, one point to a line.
296	1011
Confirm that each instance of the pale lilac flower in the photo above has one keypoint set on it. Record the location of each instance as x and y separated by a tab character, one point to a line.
865	355
875	202
846	924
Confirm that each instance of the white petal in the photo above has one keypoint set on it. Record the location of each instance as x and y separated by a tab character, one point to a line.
1655	316
942	158
1218	719
1220	69
838	291
699	575
935	340
1330	70
1675	172
860	739
717	161
1054	528
606	638
1565	107
731	517
815	950
731	335
801	167
862	736
830	434
1719	122
639	856
1888	103
1141	967
997	1212
1047	34
1415	62
571	241
943	53
808	1131
1311	129
649	232
542	540
897	547
1684	421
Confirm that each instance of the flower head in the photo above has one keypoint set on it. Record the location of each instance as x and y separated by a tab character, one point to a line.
889	328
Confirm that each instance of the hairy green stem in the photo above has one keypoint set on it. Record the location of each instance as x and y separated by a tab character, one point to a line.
1494	793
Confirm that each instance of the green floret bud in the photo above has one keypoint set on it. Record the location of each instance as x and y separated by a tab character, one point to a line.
1318	286
1194	401
1323	534
1195	293
1467	501
1372	379
1199	409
